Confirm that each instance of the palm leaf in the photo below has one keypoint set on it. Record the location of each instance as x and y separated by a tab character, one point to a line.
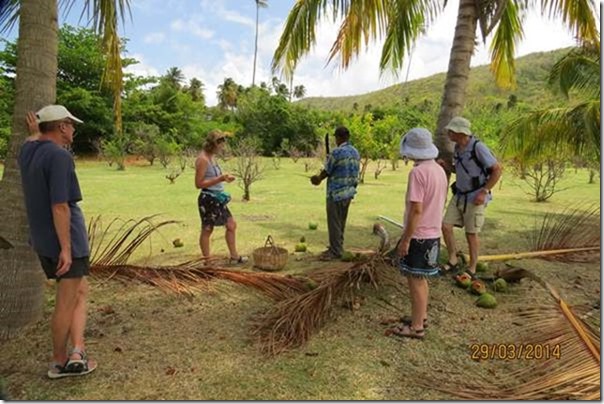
558	131
574	374
578	15
194	276
503	46
111	248
573	227
9	14
579	70
116	249
560	236
407	20
292	322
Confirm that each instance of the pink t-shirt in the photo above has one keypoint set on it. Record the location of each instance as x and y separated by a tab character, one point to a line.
428	185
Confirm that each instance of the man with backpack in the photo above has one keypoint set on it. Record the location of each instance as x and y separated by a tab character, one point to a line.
476	171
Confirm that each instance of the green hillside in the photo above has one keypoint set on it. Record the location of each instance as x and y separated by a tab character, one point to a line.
531	75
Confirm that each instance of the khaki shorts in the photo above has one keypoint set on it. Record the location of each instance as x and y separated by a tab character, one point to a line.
472	220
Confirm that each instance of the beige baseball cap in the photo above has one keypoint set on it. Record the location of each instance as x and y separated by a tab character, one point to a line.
51	113
459	125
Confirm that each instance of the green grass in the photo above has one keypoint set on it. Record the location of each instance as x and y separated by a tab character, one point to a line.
205	339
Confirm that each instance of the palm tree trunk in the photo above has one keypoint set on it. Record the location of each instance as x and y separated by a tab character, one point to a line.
457	75
255	45
21	279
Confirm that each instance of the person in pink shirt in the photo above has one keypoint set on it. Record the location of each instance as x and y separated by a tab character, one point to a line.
420	243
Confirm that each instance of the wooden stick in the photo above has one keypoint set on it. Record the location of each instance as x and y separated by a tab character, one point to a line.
531	254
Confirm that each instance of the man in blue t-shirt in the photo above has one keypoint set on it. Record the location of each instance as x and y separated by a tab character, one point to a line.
58	232
342	173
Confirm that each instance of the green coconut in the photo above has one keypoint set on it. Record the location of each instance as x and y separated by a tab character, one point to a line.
486	301
478	288
482	267
300	247
313	225
463	281
500	285
303	239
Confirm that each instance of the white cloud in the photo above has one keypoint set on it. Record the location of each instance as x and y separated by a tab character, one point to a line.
155	38
217	8
194	26
141	68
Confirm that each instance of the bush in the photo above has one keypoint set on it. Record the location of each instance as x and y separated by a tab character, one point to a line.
115	151
166	149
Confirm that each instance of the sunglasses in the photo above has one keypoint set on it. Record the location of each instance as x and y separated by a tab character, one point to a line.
221	140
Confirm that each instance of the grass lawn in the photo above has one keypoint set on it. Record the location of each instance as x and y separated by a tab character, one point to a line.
160	346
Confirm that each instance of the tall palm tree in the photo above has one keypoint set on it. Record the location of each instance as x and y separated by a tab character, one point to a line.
401	22
21	280
259	4
568	131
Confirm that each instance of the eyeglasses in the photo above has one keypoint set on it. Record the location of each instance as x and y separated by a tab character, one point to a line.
69	123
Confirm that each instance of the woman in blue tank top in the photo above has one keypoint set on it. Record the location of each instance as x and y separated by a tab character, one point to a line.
212	201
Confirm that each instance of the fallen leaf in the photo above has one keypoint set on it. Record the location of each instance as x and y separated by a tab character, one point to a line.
384	363
170	371
117	349
311	354
106	310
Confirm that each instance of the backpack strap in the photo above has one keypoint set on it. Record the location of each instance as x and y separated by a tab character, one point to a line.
474	157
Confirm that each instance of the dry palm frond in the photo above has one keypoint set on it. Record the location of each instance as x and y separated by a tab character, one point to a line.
117	249
193	276
574	374
110	254
292	322
575	227
561	235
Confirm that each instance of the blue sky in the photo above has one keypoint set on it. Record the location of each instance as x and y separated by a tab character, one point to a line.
214	39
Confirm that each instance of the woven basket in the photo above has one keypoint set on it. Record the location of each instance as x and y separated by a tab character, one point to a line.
270	257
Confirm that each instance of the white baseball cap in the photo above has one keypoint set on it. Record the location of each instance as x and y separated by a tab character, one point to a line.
417	145
52	113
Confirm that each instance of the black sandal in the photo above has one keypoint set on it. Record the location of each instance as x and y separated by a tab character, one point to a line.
407	331
80	366
406	320
449	268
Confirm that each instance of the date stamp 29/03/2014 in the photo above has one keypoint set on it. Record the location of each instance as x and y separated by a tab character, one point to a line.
510	351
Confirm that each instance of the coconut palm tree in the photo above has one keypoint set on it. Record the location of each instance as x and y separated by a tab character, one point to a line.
299	91
228	92
174	77
21	280
401	22
569	131
259	4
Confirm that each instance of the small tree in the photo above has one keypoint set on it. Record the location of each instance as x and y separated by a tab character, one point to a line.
115	151
166	150
276	160
145	141
542	176
173	174
248	167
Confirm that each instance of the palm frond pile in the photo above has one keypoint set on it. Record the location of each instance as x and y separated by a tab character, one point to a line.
111	250
570	370
291	322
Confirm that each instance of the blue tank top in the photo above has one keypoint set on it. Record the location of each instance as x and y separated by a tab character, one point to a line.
214	171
